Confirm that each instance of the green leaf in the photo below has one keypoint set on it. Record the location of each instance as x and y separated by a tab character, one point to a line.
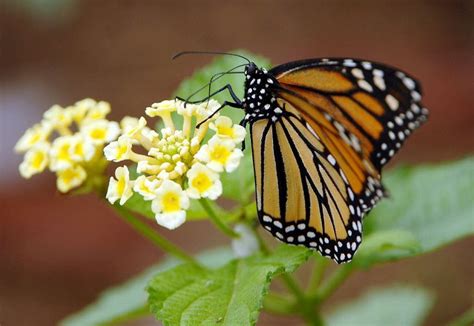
397	305
230	295
385	246
126	300
429	206
238	185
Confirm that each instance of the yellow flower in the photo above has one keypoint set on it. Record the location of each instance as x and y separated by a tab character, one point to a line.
220	154
74	137
170	161
35	161
38	133
101	131
163	110
120	188
203	182
97	110
58	117
61	153
87	110
225	128
80	149
206	109
145	187
170	204
118	150
70	178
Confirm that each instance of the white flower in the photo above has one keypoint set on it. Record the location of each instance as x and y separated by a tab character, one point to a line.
35	161
97	111
170	204
157	109
225	128
58	116
135	131
145	187
70	178
186	109
206	109
38	133
163	110
75	137
203	182
101	131
120	188
128	123
149	136
246	244
220	154
145	167
118	150
80	149
60	153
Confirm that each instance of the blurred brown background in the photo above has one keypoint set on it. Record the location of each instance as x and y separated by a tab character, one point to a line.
58	253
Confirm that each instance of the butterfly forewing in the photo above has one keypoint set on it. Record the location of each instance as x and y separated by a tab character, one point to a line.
373	106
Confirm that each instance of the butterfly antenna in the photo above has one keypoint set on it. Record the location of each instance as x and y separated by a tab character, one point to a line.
209	52
213	79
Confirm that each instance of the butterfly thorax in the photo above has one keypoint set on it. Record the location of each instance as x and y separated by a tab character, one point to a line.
259	101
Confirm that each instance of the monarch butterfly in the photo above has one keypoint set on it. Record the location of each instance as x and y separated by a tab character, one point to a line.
321	131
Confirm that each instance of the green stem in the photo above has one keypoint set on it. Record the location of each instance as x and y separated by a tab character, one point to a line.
294	287
305	306
466	318
320	265
154	237
279	304
217	221
332	283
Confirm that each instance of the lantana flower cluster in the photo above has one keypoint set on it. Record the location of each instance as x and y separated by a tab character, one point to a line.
69	141
174	165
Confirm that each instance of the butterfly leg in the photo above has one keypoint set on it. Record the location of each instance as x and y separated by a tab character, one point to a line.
243	123
223	105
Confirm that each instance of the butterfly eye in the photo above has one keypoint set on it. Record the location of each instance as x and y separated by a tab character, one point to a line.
250	69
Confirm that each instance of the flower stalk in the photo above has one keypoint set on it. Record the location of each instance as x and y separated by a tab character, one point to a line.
216	220
157	239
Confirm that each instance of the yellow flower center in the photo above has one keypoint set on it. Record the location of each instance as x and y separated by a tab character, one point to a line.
202	182
35	138
121	151
220	154
225	131
68	175
63	153
170	202
98	133
37	160
120	186
79	149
